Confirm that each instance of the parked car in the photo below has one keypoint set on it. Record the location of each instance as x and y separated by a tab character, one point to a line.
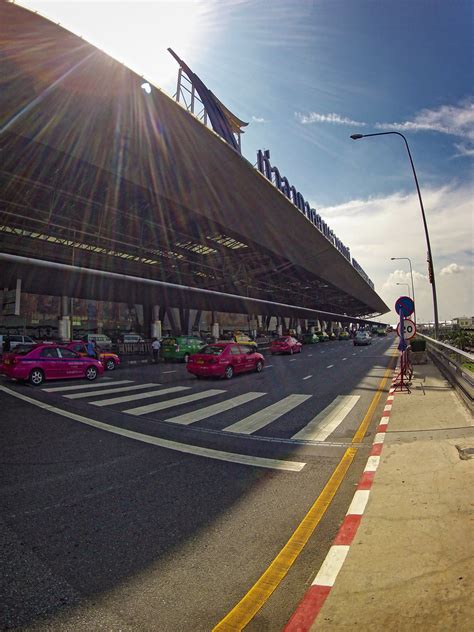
332	336
127	338
224	359
381	331
180	347
344	335
285	344
101	340
309	339
109	360
16	340
48	362
322	335
362	338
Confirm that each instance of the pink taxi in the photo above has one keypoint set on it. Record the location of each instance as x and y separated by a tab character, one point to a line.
225	359
48	362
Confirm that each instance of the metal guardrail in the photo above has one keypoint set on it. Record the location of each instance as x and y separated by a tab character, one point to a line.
452	361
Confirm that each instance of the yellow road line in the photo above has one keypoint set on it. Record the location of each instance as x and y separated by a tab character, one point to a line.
248	607
362	429
250	604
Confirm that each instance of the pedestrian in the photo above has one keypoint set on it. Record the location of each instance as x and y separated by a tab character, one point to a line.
6	344
91	349
155	347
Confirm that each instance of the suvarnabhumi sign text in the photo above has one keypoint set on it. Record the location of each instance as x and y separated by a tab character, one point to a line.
281	183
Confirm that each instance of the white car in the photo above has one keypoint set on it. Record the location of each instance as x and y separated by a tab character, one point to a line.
16	340
362	338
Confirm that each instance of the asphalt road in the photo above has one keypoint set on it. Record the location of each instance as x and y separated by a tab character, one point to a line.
132	526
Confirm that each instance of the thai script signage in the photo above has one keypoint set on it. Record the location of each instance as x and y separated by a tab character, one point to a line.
282	184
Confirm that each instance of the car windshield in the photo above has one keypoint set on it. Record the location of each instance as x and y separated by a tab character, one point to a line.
212	350
282	339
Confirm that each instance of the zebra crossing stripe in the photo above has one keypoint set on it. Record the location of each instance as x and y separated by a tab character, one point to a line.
178	401
57	389
108	391
214	409
267	415
130	398
232	457
321	426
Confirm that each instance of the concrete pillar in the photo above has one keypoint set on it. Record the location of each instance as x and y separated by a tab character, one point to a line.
64	321
279	329
215	331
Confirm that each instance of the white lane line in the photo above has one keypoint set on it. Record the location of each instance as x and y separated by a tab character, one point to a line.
215	409
267	415
321	426
344	359
268	366
178	401
307	377
322	352
293	360
132	398
57	389
330	366
233	457
119	389
164	372
353	354
310	355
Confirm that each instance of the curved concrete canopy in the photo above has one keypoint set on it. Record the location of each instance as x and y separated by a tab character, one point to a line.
68	95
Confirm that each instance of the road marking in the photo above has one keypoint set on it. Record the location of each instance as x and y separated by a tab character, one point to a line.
310	355
165	372
261	591
307	377
321	426
330	366
331	566
214	409
120	389
353	354
293	360
178	401
268	366
131	398
344	359
267	415
233	457
57	389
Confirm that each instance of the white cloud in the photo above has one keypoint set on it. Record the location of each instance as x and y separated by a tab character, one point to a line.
463	150
379	228
336	119
258	119
453	268
447	119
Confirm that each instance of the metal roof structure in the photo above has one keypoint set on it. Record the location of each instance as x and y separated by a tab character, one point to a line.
98	174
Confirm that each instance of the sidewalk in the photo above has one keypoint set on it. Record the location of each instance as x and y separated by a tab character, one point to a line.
410	564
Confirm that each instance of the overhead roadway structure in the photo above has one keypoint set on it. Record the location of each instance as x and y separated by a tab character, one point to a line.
100	175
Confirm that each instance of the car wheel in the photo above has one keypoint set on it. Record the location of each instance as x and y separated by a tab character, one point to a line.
36	377
229	372
91	373
110	365
186	358
259	366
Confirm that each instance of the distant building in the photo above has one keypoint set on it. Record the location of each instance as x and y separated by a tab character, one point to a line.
464	322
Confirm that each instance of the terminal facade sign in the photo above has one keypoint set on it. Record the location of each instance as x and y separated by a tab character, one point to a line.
281	182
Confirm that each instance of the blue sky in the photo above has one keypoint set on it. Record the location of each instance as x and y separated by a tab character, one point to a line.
306	75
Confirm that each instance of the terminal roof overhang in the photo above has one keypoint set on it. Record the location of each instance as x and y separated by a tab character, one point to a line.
102	175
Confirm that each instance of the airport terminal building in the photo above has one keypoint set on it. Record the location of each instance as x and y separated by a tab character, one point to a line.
123	208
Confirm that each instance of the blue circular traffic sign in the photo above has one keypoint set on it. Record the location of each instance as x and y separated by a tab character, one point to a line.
404	306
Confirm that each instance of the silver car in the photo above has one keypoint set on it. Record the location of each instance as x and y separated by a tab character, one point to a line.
362	338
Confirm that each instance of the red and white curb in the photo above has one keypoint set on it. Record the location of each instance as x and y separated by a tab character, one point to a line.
311	604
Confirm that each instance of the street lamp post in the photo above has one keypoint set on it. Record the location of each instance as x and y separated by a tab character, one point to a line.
428	245
406	285
412	284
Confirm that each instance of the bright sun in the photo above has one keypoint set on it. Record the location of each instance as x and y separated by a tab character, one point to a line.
135	33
